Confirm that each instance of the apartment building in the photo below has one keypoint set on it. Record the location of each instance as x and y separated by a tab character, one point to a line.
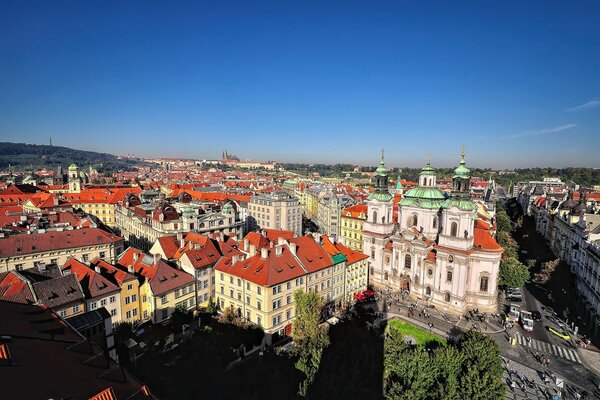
351	226
142	224
275	211
131	290
18	252
166	289
98	291
261	287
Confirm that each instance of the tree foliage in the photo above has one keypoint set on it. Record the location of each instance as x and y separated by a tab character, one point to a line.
513	273
472	370
309	336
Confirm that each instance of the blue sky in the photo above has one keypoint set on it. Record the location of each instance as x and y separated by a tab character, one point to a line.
517	82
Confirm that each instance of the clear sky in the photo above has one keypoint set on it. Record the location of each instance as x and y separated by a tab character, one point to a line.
517	81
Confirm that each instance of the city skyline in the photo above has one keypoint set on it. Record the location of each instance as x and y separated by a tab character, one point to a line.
322	84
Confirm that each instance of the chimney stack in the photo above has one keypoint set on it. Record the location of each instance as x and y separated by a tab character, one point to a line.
246	244
130	269
292	247
278	250
156	259
135	256
97	269
280	241
251	250
264	253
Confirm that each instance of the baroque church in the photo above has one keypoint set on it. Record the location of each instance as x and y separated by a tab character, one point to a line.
437	249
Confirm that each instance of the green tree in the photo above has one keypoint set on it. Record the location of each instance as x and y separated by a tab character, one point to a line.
481	373
445	366
503	223
180	316
310	337
512	273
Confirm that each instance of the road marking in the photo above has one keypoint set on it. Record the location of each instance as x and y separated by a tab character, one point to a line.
547	348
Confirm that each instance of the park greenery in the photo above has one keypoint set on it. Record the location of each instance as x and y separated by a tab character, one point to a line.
421	336
21	155
310	337
470	369
512	274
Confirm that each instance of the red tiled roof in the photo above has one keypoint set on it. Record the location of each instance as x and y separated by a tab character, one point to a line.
106	195
257	239
114	273
270	271
16	245
161	276
311	254
274	234
355	211
15	288
484	241
352	256
92	283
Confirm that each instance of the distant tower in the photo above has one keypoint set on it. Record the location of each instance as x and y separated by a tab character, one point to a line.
50	141
74	179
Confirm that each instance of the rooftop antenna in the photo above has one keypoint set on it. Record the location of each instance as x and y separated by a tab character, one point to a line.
50	141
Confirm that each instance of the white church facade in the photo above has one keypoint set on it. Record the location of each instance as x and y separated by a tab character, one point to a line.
437	249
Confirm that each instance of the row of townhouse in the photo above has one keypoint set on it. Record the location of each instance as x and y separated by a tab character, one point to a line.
260	285
572	228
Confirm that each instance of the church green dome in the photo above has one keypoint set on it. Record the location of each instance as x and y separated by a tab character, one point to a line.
426	193
462	171
381	170
428	169
73	167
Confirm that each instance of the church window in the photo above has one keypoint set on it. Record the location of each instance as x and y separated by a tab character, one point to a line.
430	272
449	276
373	240
383	220
373	254
450	258
483	284
385	276
447	297
375	216
435	222
407	261
387	259
454	229
428	291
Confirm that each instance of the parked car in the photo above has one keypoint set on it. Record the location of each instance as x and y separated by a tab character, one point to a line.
526	320
561	333
536	315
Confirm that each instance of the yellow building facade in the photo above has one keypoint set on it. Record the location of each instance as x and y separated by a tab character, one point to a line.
351	231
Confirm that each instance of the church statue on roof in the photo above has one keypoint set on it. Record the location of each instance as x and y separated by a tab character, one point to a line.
434	250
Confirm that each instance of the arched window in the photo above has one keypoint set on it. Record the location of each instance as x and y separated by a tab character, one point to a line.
454	229
383	220
428	290
385	276
407	261
483	284
375	216
447	297
435	222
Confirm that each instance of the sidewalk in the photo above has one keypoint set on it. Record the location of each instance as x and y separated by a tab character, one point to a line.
591	359
444	322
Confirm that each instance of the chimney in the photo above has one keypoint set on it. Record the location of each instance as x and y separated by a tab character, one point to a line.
97	269
130	269
292	247
251	250
280	241
234	259
264	253
135	256
191	245
156	258
278	250
264	233
246	243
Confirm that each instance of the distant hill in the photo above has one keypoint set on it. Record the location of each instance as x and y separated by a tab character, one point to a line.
22	155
